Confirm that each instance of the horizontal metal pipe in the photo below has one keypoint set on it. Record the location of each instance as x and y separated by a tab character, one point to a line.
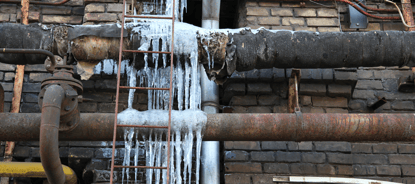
31	51
35	2
32	170
237	127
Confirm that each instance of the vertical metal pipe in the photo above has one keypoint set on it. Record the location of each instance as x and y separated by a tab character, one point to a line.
408	14
49	134
210	14
210	158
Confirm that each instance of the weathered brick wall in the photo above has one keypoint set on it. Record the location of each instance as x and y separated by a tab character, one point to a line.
321	16
321	91
90	160
73	12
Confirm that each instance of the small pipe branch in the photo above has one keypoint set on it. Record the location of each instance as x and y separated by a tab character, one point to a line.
49	66
49	134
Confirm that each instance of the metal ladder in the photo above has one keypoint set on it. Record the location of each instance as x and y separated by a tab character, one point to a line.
143	88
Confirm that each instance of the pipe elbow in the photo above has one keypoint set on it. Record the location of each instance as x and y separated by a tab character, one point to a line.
49	134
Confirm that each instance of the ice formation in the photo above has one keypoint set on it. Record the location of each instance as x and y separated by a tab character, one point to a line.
187	120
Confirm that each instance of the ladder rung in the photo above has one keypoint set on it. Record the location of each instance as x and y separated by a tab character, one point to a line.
143	126
141	51
144	88
147	17
143	167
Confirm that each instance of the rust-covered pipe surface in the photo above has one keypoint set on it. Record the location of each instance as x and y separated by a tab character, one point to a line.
408	14
237	127
49	134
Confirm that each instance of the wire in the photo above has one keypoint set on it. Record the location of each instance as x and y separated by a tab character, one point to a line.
400	13
321	4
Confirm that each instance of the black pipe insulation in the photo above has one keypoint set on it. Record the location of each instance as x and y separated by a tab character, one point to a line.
241	50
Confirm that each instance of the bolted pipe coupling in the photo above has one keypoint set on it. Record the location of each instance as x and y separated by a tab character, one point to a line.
69	113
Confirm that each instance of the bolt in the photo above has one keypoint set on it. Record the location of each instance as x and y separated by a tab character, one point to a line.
67	108
69	123
357	24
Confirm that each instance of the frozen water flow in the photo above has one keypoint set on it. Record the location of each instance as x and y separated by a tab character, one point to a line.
188	120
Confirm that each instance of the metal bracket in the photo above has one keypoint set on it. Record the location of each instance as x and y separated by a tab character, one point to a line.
357	19
319	179
293	103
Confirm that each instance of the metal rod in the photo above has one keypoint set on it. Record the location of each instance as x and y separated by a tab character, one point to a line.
143	88
117	93
32	51
35	2
148	17
237	127
142	167
142	126
170	92
142	51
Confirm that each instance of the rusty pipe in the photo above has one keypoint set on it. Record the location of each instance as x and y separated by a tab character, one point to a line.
49	66
237	127
35	2
49	133
32	170
408	14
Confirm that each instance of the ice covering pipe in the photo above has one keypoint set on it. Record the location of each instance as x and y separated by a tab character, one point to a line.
237	127
32	170
49	133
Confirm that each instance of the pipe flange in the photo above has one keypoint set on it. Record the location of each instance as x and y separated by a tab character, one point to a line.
70	121
59	80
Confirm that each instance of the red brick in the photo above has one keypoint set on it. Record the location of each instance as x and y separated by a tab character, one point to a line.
101	17
257	11
243	167
344	170
326	170
305	12
329	102
55	19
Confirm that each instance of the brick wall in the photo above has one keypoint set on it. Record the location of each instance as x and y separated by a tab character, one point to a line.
321	16
90	160
321	91
256	91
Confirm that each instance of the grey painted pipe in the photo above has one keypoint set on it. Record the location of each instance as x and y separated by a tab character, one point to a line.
49	134
210	157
